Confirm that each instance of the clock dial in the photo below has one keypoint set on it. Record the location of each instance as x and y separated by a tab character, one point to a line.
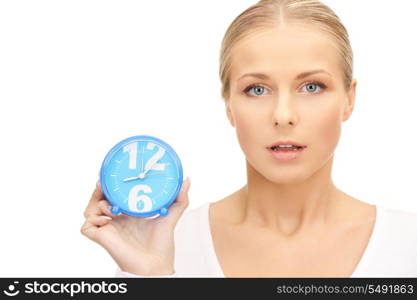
142	176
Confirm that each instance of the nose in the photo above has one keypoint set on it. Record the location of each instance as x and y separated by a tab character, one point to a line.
284	113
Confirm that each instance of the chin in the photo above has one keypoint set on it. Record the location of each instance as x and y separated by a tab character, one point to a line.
281	174
280	178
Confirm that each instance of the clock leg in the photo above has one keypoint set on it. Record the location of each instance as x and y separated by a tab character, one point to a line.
163	211
115	210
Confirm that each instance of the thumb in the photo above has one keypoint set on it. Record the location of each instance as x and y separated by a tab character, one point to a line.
180	204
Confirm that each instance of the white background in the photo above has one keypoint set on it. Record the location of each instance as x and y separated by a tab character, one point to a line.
78	76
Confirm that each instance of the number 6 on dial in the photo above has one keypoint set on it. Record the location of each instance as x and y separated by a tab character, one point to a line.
141	176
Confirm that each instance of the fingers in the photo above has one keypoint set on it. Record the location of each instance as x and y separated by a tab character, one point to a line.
89	230
99	208
97	213
99	220
180	204
96	197
97	193
183	194
104	208
98	205
92	224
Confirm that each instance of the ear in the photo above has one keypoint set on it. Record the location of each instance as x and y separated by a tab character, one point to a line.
351	101
229	114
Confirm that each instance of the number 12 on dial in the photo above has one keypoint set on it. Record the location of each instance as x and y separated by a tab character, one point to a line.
141	176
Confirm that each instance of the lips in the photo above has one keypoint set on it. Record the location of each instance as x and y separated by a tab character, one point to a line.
286	155
282	144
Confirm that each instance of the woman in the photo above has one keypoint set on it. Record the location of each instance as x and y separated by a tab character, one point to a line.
286	74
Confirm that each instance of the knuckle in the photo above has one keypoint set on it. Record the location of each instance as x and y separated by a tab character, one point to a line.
104	205
87	214
90	219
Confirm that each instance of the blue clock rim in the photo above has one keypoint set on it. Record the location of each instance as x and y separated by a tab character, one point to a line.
128	140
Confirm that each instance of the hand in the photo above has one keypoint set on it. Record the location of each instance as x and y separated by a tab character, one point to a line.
143	246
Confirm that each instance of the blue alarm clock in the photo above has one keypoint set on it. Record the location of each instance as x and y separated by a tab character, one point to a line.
141	176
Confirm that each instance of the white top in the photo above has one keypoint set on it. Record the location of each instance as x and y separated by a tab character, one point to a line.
391	250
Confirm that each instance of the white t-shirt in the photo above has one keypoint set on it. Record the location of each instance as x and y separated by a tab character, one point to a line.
391	250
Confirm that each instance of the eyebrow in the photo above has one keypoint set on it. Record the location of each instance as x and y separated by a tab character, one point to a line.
299	76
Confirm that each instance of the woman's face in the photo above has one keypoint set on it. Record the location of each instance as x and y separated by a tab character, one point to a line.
281	105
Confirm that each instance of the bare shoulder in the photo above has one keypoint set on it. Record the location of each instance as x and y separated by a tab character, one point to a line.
225	210
356	210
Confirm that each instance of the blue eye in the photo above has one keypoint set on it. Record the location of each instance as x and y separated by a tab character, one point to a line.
312	86
258	89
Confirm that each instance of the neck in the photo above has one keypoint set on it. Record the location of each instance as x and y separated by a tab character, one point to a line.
289	207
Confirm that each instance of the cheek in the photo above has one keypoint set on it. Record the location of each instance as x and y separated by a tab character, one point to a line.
327	125
248	124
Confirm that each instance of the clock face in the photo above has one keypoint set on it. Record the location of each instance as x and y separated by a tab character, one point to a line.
141	176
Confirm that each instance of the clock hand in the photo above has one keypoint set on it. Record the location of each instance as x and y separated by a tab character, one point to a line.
130	178
152	162
137	177
142	175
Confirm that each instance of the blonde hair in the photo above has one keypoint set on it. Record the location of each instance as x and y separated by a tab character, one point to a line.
274	12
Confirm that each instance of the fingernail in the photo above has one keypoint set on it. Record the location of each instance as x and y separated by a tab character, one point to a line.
98	183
